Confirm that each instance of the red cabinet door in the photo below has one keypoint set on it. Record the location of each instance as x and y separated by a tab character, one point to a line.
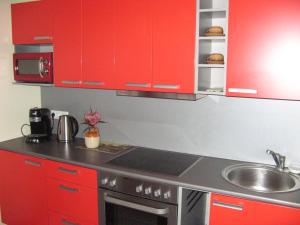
58	219
73	174
263	43
67	39
24	191
98	44
226	210
134	44
32	22
174	33
75	200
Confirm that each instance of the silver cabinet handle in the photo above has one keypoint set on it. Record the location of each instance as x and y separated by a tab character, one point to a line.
167	86
242	90
66	222
93	83
137	84
40	38
32	163
63	187
228	206
64	170
136	206
71	82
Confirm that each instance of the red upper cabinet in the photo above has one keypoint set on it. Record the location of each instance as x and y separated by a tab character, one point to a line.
226	210
67	40
23	190
32	22
98	44
134	44
174	33
263	43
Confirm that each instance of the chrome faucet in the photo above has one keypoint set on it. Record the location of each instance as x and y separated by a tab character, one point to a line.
279	159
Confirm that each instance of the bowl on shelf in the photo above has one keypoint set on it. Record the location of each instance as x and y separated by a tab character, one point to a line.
214	31
215	58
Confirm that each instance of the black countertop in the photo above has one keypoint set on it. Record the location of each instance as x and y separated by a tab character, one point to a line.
205	175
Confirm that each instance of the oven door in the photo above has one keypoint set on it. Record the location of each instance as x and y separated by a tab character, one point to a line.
121	209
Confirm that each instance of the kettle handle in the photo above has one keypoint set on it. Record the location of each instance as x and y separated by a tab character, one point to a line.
75	125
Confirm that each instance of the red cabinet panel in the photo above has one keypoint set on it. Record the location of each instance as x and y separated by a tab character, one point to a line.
263	42
73	174
57	219
98	44
73	200
134	44
32	22
226	210
67	39
24	185
174	33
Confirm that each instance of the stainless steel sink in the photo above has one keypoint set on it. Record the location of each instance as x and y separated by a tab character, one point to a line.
261	178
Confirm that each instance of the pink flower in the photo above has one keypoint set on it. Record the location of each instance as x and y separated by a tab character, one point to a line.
92	118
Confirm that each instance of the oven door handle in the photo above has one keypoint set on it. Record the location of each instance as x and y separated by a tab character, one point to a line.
144	208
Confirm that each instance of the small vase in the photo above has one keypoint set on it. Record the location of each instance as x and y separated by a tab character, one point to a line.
92	138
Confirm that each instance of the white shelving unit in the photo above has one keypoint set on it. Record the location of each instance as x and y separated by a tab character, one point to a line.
211	77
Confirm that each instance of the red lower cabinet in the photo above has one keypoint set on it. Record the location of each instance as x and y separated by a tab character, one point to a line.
58	219
226	210
73	200
23	190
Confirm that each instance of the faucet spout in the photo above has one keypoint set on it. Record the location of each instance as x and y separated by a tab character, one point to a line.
279	159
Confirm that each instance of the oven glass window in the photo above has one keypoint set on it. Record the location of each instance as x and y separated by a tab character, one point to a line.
29	66
119	215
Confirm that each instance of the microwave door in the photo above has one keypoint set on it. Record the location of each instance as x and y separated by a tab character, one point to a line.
28	67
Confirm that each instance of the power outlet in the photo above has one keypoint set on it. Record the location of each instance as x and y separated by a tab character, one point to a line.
57	113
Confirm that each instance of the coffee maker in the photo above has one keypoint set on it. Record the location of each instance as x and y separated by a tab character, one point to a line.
40	125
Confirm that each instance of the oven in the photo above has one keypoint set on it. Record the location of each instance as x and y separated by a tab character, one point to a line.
122	209
127	200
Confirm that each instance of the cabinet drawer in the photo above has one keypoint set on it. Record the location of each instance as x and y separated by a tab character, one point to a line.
72	199
73	174
58	219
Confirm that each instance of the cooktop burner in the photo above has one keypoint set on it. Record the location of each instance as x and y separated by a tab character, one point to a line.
156	161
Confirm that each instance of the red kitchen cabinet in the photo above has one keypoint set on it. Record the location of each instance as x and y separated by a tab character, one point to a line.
226	210
263	43
23	190
32	22
98	44
174	33
58	219
71	173
71	199
67	40
134	44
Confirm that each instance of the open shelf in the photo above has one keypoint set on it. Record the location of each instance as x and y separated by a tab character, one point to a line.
211	77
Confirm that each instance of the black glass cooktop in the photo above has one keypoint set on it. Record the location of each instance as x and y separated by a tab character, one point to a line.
155	161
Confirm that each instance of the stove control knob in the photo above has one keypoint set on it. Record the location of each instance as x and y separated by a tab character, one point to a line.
157	193
148	191
167	195
139	189
104	181
113	183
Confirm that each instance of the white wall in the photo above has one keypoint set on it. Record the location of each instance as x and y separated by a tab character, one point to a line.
15	100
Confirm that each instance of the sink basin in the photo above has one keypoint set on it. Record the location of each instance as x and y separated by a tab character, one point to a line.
261	178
